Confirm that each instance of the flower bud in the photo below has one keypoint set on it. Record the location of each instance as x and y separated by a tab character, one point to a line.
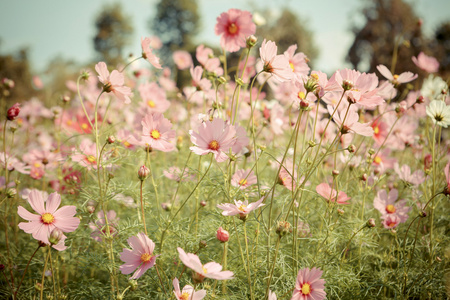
133	285
65	99
335	173
85	75
251	41
364	177
222	235
203	203
312	143
55	236
166	206
351	148
283	228
202	244
143	173
347	85
13	112
11	193
340	211
8	84
222	80
422	214
111	139
420	100
239	81
371	151
13	127
371	223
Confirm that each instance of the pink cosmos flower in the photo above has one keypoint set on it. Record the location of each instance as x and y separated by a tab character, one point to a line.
49	217
243	179
447	178
141	256
240	208
182	59
153	98
380	131
309	286
175	173
205	57
329	194
351	121
298	63
391	221
277	65
396	79
404	173
113	82
88	156
386	204
202	84
13	164
234	26
211	270
272	296
147	52
427	63
156	132
187	293
99	228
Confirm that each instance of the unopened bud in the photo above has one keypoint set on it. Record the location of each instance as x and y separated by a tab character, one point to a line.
420	100
143	172
422	214
371	151
351	148
111	139
312	143
304	104
438	259
222	235
13	112
55	236
251	41
90	209
364	177
203	203
222	80
283	228
11	193
371	223
239	81
133	285
335	173
347	85
340	211
202	244
8	84
13	127
166	206
85	75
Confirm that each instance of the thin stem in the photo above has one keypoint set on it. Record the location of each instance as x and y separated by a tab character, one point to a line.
24	272
43	274
248	261
142	208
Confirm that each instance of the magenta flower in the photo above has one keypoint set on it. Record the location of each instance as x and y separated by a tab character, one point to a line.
211	270
404	173
427	63
386	204
240	208
156	132
329	194
113	82
309	285
141	256
351	123
396	79
49	217
243	179
147	52
234	26
187	293
277	65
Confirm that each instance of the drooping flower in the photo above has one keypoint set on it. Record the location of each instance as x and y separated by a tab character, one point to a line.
386	204
330	194
404	173
243	179
157	132
439	113
48	218
140	256
234	26
427	63
187	293
211	270
309	285
147	52
113	82
396	79
277	65
240	208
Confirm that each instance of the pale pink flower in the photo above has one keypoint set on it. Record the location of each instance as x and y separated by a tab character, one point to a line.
88	156
147	52
234	26
447	178
351	121
113	82
243	179
202	84
386	90
49	217
396	79
153	98
13	164
380	131
39	157
272	296
277	65
187	293
427	63
240	208
182	59
141	256
157	133
205	57
99	228
386	204
211	270
404	173
298	63
37	82
391	221
330	194
175	173
309	285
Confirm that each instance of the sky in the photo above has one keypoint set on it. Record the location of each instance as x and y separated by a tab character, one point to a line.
51	28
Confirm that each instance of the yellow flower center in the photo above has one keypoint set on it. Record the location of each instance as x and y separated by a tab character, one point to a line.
184	296
126	144
151	103
232	28
395	77
145	257
242	207
377	160
301	95
306	289
204	270
69	122
47	218
91	158
315	76
292	66
390	208
376	130
37	164
84	126
243	182
155	134
213	145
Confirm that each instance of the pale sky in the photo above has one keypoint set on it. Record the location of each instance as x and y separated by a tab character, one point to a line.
66	28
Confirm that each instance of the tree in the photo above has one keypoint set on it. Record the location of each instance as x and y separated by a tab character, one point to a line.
287	30
176	23
391	26
441	48
113	34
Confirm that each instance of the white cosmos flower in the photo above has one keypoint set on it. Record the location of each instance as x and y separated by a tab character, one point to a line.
439	113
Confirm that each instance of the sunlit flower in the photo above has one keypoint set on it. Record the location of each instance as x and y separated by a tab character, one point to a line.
332	195
243	179
240	208
187	293
277	65
141	256
404	173
157	132
182	59
427	63
234	26
351	121
298	63
396	79
113	82
148	54
439	113
387	204
309	285
48	218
